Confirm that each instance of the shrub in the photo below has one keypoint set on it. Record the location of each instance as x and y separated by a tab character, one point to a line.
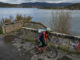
1	32
29	40
7	20
24	18
27	19
61	22
18	17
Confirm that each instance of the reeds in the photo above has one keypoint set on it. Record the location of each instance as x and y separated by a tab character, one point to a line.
24	18
61	22
19	17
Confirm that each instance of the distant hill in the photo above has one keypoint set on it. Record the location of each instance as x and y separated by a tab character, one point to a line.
7	5
74	6
43	4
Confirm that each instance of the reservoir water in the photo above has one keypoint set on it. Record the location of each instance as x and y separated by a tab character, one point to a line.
42	15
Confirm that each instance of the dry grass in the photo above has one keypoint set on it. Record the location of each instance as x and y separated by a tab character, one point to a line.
24	18
61	22
8	38
7	20
18	17
27	19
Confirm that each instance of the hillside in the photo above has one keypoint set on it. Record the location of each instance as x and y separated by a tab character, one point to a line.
74	6
7	5
43	4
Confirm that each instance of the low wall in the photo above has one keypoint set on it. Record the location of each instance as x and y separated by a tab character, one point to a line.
36	25
7	28
11	27
61	40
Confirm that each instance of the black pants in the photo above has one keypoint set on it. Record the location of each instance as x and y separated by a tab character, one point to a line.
43	43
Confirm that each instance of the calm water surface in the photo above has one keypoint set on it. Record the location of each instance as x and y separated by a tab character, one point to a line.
42	15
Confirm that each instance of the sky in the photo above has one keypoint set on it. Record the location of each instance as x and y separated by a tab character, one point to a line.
49	1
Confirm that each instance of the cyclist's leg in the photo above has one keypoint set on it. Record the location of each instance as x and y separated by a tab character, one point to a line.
44	45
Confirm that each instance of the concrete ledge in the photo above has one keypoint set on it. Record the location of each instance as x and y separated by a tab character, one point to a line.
56	34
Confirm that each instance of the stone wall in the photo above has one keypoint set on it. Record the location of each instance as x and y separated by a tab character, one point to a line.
36	25
11	27
63	41
18	25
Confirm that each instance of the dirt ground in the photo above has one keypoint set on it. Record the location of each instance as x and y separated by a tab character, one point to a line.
21	49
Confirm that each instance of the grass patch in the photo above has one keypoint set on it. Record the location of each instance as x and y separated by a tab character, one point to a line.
65	50
29	40
1	32
32	41
8	38
74	52
65	58
69	51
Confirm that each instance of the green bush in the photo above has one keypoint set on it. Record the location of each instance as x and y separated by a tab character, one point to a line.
29	40
1	32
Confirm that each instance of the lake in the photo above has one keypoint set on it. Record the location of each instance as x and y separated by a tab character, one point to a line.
41	15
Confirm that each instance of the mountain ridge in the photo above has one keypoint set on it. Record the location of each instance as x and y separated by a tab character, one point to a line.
7	5
43	5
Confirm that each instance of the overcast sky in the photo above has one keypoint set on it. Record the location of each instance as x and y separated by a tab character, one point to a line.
49	1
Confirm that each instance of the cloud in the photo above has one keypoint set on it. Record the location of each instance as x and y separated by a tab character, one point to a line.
49	1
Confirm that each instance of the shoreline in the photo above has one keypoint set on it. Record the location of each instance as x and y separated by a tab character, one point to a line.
43	8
